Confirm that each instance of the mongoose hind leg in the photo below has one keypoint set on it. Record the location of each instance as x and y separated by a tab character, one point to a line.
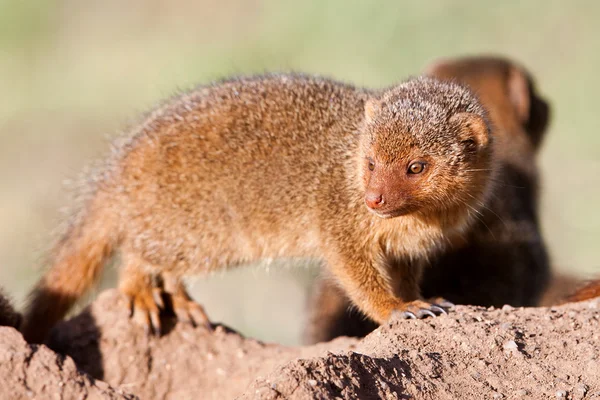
152	293
145	293
183	306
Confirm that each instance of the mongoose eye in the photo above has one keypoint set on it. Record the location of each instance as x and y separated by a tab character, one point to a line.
416	167
371	165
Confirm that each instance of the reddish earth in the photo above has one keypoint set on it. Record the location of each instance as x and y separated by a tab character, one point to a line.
472	353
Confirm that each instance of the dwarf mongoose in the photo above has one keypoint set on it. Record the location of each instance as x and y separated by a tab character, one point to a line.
282	165
502	258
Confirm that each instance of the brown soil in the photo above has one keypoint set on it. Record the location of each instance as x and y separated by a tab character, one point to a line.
472	353
36	372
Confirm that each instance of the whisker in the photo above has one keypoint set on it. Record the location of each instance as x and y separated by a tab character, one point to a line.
480	203
479	218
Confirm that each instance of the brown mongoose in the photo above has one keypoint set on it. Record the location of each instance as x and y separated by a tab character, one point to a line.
283	165
8	315
502	259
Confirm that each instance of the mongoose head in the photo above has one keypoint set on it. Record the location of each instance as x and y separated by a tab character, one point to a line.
426	149
506	90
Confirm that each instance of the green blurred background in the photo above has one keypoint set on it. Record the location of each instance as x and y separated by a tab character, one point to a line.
73	72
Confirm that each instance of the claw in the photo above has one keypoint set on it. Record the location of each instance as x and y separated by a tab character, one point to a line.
198	315
158	299
420	309
422	313
438	310
446	304
408	315
155	323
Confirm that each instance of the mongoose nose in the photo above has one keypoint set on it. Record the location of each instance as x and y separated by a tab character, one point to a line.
374	200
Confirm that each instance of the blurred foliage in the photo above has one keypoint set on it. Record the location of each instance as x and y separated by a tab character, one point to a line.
75	72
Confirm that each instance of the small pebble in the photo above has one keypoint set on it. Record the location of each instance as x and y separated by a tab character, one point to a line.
580	391
561	394
498	395
511	345
220	329
506	307
505	326
521	392
312	382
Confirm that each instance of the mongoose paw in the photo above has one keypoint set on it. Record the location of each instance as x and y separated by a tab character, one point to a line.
187	310
419	309
180	303
145	309
441	303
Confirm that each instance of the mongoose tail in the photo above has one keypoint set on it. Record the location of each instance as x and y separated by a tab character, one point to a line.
77	261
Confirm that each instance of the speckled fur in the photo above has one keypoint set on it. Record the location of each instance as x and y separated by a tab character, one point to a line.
268	167
502	258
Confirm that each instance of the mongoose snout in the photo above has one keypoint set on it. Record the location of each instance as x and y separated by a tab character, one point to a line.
374	200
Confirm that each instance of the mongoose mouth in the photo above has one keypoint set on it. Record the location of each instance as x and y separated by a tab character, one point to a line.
387	214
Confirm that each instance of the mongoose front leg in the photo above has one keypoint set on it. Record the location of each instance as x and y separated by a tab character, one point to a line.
418	309
406	279
368	286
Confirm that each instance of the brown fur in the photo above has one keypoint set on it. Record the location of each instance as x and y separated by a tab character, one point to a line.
590	291
278	166
560	288
8	315
502	259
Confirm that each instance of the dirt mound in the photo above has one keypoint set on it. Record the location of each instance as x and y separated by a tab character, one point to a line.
36	372
472	353
181	364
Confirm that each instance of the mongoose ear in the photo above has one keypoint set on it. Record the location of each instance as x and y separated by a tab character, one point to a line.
372	107
532	111
518	91
437	67
471	128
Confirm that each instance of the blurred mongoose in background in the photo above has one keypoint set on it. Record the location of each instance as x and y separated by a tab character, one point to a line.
8	315
282	165
502	259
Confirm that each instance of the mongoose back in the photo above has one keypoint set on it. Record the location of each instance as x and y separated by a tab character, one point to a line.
502	259
282	165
